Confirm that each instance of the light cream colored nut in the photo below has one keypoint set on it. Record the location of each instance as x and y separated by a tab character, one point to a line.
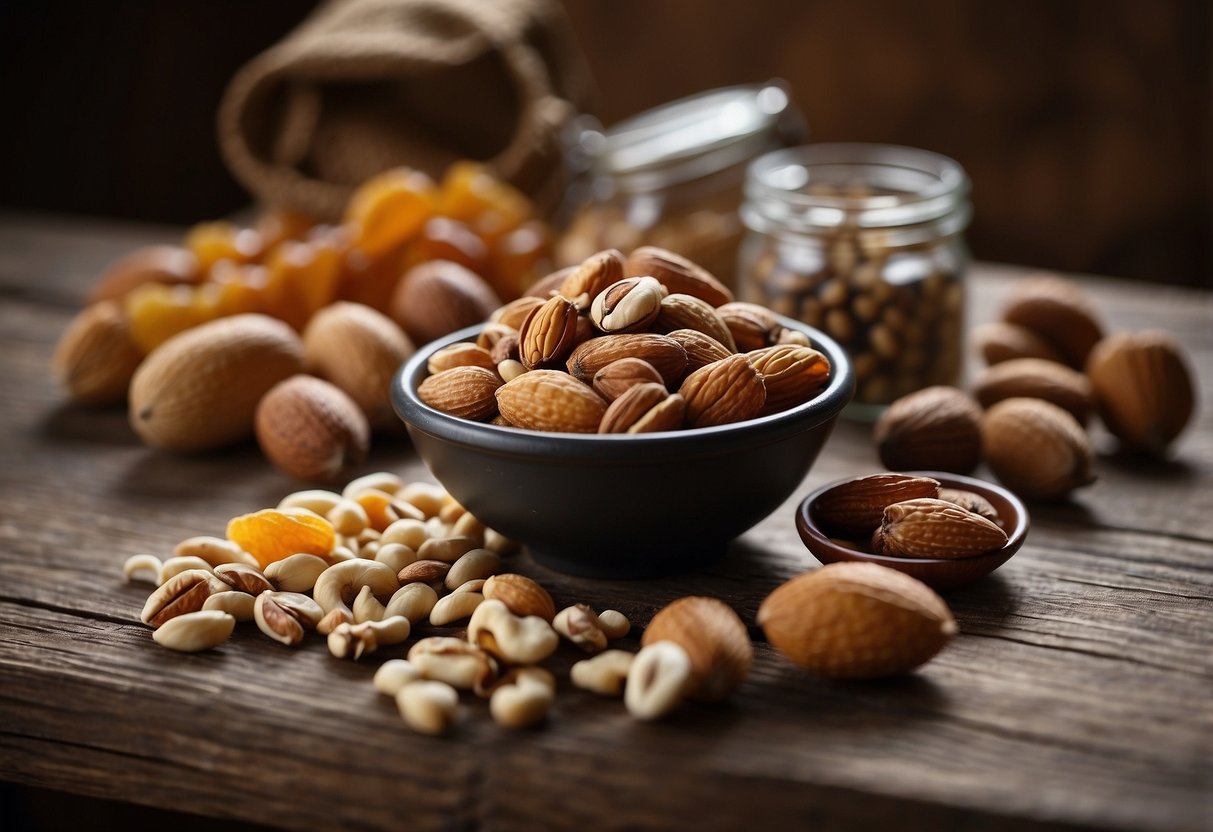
425	496
473	565
579	624
454	661
286	616
468	526
338	585
395	556
657	680
604	674
183	593
523	697
243	578
296	573
428	706
384	481
414	601
448	549
348	517
626	305
614	624
214	550
474	585
144	569
195	631
522	595
513	639
341	553
353	641
316	500
459	354
239	605
177	565
366	607
510	369
714	638
406	532
495	541
455	607
394	674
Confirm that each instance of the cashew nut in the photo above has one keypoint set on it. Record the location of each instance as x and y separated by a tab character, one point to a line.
614	624
413	601
580	625
340	553
394	674
603	674
195	631
477	563
513	639
523	698
384	481
476	585
454	661
408	531
144	569
352	641
366	607
468	526
426	497
428	706
239	605
395	555
338	585
446	548
495	541
316	500
297	573
214	550
657	680
455	607
348	517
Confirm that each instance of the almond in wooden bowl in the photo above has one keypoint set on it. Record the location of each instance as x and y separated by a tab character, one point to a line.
941	572
623	504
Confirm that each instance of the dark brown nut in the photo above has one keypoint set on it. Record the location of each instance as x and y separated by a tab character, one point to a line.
507	348
595	273
1059	312
727	391
687	312
494	332
627	305
1000	341
938	428
702	349
1036	378
462	354
438	297
467	392
243	578
970	501
615	378
1036	449
183	593
856	507
751	325
547	335
677	274
627	414
665	354
791	374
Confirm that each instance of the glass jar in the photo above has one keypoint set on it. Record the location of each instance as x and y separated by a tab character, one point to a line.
673	176
865	243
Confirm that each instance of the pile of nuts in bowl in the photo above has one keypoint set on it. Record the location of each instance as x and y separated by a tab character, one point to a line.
382	561
642	343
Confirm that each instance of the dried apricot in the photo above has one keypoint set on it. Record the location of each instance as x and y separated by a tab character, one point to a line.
370	280
378	507
519	259
389	209
214	241
158	312
277	225
302	277
272	534
492	207
151	264
241	288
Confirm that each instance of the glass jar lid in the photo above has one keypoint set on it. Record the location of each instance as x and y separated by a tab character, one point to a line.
689	138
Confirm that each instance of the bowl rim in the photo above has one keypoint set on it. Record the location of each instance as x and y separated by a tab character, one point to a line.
819	410
815	538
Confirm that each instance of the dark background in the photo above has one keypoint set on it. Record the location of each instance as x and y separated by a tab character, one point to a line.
1086	126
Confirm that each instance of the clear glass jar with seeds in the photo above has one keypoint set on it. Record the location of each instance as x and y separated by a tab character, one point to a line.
866	243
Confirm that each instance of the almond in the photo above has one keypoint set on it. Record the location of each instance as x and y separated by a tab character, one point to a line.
1036	378
936	428
545	287
1144	387
1036	449
467	392
439	297
551	400
95	357
726	391
627	305
677	274
359	350
701	349
934	528
665	354
1000	341
971	501
714	638
791	374
752	326
546	336
199	390
856	507
1058	311
461	354
594	274
627	414
856	621
310	429
613	380
170	265
680	311
522	595
516	311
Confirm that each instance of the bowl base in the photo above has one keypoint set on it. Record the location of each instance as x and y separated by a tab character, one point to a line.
635	566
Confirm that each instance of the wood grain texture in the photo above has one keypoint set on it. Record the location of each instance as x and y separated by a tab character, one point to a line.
1076	696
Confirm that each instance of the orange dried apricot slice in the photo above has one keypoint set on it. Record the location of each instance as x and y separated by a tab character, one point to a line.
378	507
272	534
302	277
389	209
492	207
157	312
214	241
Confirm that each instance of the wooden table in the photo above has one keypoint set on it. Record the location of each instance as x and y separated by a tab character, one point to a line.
1079	693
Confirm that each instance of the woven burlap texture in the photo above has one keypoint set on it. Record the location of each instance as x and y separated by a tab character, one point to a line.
365	85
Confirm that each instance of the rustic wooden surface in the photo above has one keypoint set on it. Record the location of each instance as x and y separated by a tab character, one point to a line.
1077	694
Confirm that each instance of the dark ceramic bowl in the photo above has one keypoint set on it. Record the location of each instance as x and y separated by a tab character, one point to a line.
937	573
623	506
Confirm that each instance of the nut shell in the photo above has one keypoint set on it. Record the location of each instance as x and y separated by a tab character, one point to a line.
856	621
96	357
1059	312
551	400
856	507
937	428
791	374
310	429
677	273
1000	341
665	354
1035	378
548	333
726	391
714	638
438	297
522	595
933	528
468	392
1036	449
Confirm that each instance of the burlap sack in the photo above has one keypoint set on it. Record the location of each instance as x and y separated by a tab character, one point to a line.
365	85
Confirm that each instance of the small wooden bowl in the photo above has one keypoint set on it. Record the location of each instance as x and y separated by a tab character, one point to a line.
937	573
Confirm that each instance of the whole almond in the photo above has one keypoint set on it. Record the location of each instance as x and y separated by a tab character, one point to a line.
970	500
937	428
1036	449
594	274
551	400
199	390
679	311
615	378
359	350
714	638
522	595
701	349
516	311
95	357
1000	341
752	326
856	507
1145	390
546	336
311	429
460	354
856	621
550	285
467	392
668	414
791	374
664	353
727	391
933	528
677	273
627	411
439	297
1036	378
1058	311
